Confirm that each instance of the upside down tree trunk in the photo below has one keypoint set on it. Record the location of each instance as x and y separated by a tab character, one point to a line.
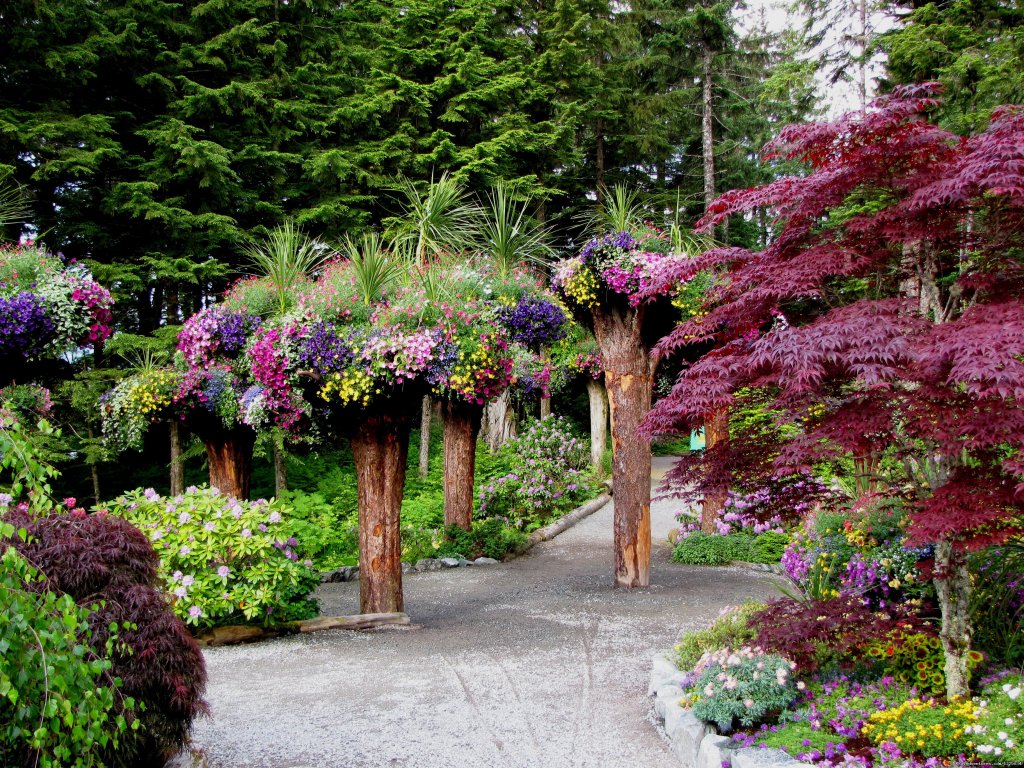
716	432
229	454
280	468
598	422
425	417
499	425
177	467
628	379
461	427
380	449
953	588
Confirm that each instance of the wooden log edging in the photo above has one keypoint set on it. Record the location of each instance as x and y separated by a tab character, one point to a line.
565	522
236	634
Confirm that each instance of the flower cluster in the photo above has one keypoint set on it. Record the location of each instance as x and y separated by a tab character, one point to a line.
742	686
925	727
549	471
215	332
533	321
135	403
221	559
45	308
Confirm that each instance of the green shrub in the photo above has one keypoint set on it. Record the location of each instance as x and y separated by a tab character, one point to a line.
768	547
742	686
327	533
224	561
57	705
729	630
489	538
701	548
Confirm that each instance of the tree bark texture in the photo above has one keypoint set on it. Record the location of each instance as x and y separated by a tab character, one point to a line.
628	380
708	129
380	449
229	454
499	424
177	467
953	588
545	408
425	418
280	469
461	427
716	432
598	422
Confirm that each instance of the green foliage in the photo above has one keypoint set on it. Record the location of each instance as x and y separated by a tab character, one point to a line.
699	548
225	561
927	728
742	687
23	470
328	533
730	630
488	538
287	258
997	602
916	659
798	737
57	705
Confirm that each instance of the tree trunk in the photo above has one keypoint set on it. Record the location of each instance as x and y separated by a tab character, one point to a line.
708	130
545	408
599	160
229	454
380	449
94	474
716	432
425	414
499	425
280	469
177	466
865	472
953	588
461	427
598	423
628	380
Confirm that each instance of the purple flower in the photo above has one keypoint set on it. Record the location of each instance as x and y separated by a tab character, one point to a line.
533	321
223	571
25	327
195	611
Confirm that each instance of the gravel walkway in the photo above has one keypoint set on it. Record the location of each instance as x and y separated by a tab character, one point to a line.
535	662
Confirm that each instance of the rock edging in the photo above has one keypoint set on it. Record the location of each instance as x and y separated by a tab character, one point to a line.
698	744
548	532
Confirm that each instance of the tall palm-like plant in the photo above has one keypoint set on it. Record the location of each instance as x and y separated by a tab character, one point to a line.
620	211
438	220
287	257
375	265
13	207
509	235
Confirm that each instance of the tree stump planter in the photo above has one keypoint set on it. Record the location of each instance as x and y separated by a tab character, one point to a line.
380	450
229	454
461	428
598	422
628	372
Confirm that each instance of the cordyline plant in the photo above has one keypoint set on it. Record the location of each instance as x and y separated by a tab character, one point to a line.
887	313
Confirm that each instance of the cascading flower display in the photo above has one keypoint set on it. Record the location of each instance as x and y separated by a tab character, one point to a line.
215	332
47	308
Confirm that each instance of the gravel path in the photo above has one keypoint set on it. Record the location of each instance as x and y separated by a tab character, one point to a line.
535	662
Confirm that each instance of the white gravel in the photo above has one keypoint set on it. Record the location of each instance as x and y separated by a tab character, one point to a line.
535	662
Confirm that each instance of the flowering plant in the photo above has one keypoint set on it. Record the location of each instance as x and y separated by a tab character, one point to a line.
135	403
549	470
533	321
47	308
222	560
742	686
215	333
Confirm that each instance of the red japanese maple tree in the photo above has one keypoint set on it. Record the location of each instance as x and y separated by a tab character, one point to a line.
886	314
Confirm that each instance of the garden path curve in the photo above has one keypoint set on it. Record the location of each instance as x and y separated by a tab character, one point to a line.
537	662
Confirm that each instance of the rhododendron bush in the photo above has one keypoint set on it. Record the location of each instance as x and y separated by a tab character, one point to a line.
886	313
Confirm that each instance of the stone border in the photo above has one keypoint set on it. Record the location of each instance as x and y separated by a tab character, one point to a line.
548	532
698	744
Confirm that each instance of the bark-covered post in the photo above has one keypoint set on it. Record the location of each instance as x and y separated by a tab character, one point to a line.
499	424
598	422
628	380
229	454
461	427
380	449
716	433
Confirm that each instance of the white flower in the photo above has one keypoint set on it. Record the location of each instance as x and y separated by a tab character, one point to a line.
1014	693
1003	735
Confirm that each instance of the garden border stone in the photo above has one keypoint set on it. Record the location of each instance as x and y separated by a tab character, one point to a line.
698	744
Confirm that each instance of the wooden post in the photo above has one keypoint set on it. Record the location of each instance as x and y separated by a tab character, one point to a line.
380	449
461	427
501	427
628	380
425	414
229	454
716	432
598	422
177	467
